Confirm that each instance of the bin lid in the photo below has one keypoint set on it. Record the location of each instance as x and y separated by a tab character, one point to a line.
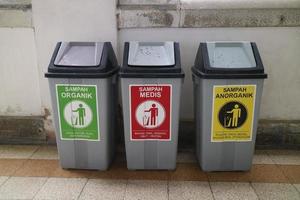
82	60
230	55
151	54
151	60
223	60
81	54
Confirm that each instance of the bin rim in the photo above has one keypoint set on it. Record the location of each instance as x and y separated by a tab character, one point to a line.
196	72
107	67
148	71
83	75
203	68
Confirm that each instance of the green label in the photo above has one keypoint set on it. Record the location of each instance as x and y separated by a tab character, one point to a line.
78	113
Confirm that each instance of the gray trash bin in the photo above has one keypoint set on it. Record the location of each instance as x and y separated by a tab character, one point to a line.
228	82
83	85
151	79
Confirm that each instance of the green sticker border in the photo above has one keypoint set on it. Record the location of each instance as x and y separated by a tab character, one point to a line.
58	113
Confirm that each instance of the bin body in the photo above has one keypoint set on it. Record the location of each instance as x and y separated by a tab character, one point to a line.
151	148
77	150
234	151
151	154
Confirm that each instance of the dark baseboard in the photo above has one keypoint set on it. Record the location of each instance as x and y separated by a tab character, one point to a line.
272	134
22	130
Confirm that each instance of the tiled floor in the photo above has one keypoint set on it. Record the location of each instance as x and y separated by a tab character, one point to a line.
275	191
17	151
21	187
186	190
61	188
232	190
103	189
33	172
146	189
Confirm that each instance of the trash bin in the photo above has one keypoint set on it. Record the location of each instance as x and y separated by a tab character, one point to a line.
83	85
151	79
228	82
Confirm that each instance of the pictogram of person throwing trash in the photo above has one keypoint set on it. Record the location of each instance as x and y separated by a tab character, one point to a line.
81	115
153	116
234	118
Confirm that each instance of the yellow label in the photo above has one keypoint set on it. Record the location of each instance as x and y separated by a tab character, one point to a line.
233	110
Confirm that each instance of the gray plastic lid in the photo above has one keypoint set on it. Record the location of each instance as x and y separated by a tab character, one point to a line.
79	54
230	55
151	53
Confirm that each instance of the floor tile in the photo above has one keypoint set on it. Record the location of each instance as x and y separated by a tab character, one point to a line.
146	190
189	190
262	157
50	168
3	179
61	188
285	157
297	186
116	171
292	172
229	176
44	168
186	157
267	174
148	175
232	191
18	151
99	189
73	173
275	191
188	172
119	171
46	152
9	166
21	187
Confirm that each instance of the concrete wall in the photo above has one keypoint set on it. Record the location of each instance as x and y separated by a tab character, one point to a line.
19	80
279	48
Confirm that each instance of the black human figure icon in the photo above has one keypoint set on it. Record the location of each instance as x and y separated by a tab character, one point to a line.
153	114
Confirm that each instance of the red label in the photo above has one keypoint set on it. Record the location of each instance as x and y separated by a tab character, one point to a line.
150	111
